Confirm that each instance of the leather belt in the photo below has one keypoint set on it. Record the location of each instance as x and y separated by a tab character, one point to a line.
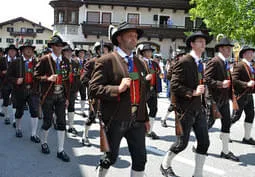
58	89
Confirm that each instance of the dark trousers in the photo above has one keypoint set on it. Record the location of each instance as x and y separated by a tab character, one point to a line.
197	121
54	103
23	97
135	136
152	103
225	120
83	91
72	101
245	104
6	91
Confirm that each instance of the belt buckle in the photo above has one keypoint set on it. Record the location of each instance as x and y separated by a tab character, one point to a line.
58	87
133	109
28	86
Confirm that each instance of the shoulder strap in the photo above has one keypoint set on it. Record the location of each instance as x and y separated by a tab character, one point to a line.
50	63
247	70
120	65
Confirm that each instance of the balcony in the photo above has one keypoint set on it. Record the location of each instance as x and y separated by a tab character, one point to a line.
25	34
150	30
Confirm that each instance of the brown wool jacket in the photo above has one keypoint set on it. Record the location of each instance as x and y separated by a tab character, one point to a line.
241	77
215	74
43	68
104	84
184	80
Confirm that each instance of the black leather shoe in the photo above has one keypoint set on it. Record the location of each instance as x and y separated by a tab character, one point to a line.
1	114
84	114
19	133
154	136
45	148
73	131
85	142
167	172
7	121
35	139
250	141
63	156
163	123
229	156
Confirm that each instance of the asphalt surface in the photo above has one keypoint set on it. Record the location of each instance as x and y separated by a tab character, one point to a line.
19	157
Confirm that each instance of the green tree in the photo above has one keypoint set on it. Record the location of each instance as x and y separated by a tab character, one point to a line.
233	18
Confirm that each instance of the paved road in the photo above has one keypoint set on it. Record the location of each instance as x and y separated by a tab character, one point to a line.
19	157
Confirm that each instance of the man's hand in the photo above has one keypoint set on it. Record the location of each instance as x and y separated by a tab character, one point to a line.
199	91
67	103
125	83
147	126
4	72
226	84
148	77
250	83
52	78
19	81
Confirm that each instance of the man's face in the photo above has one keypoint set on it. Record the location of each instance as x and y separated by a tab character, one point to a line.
12	53
226	51
1	54
249	54
81	54
67	54
106	50
57	48
147	53
28	52
199	44
128	40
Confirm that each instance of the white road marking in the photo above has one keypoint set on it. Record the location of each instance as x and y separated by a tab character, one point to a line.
178	158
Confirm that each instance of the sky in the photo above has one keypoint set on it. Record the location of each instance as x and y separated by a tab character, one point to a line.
33	10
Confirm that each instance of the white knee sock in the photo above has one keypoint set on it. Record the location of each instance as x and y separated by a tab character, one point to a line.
168	158
247	130
61	140
70	119
82	106
152	119
199	163
18	123
225	142
1	105
101	172
86	131
34	125
5	111
45	134
166	116
137	173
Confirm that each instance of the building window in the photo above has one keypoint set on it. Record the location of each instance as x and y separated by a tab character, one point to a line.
23	30
60	17
30	30
0	40
46	41
10	29
31	41
106	17
73	17
9	40
39	30
93	17
39	41
188	23
133	18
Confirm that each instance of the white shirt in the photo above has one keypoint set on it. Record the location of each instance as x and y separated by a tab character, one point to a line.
193	54
55	57
30	59
10	59
123	54
222	57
